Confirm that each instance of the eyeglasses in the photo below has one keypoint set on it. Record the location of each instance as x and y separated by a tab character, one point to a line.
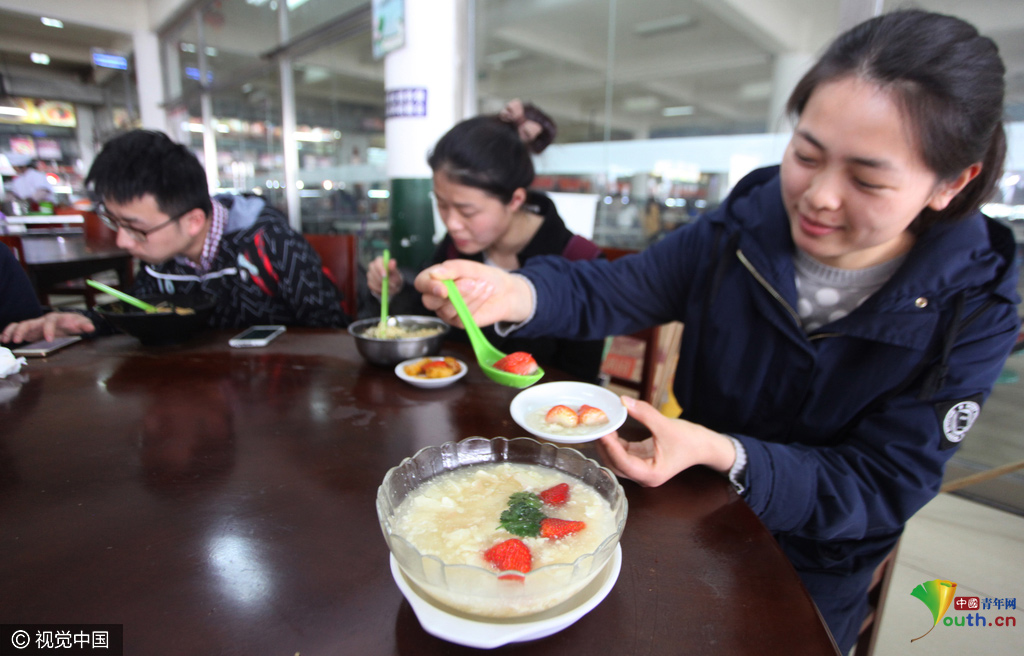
137	234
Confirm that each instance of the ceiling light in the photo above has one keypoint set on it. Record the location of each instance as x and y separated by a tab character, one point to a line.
51	22
40	58
499	59
662	25
755	91
641	103
683	110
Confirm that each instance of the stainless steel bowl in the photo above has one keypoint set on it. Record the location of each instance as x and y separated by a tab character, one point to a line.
389	352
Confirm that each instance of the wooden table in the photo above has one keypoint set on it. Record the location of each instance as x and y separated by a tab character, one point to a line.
58	258
221	501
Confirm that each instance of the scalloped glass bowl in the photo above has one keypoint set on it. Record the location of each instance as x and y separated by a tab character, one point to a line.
475	590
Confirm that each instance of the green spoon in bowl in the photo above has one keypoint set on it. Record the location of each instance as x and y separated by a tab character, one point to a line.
486	354
384	290
118	294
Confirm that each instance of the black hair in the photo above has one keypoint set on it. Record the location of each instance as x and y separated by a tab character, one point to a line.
147	162
487	152
948	82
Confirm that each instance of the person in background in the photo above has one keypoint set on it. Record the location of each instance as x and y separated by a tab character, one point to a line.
18	301
237	249
31	184
482	172
847	313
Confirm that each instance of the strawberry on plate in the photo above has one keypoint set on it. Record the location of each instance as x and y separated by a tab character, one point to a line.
512	554
556	529
555	496
591	416
562	415
520	363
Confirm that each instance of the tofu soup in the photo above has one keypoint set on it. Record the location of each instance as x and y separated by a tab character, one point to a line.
507	517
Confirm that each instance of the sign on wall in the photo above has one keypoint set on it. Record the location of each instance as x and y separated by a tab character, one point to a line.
388	26
40	112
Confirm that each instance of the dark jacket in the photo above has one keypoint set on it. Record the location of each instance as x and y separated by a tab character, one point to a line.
263	273
18	300
579	358
847	429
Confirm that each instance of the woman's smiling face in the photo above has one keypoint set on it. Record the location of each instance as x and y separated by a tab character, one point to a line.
853	179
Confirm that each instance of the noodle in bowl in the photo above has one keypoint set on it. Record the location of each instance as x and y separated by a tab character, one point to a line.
410	336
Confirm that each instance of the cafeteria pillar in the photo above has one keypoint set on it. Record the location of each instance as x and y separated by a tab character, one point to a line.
424	82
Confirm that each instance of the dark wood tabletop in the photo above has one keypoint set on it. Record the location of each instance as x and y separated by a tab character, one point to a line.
221	501
57	258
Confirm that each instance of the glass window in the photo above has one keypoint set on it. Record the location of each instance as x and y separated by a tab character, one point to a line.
339	93
306	15
236	34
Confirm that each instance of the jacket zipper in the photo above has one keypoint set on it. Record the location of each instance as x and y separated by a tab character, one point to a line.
764	283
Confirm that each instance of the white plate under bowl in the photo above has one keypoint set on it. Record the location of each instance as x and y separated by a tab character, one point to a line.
429	383
486	633
543	397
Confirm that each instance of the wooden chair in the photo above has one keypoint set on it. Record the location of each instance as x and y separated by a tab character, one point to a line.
97	234
877	593
660	347
340	257
13	242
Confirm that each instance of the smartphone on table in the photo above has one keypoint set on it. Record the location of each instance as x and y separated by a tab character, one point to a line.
44	348
256	336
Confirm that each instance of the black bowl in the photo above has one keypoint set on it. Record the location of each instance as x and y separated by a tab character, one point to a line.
160	328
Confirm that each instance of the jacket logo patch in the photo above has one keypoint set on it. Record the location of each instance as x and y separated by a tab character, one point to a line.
957	417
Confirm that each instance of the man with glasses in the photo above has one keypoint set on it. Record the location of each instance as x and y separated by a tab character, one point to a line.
236	248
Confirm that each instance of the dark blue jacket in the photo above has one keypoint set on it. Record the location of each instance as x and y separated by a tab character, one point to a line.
18	300
847	429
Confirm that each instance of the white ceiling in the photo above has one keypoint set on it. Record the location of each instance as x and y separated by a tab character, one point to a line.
552	52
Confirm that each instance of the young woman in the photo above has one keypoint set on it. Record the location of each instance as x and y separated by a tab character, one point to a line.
846	313
482	173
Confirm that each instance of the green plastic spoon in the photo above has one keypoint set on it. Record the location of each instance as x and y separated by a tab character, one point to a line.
118	294
486	354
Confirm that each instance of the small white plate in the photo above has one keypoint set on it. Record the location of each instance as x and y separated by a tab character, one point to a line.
462	629
429	383
531	404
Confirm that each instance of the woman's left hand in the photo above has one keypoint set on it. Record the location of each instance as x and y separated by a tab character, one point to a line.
674	445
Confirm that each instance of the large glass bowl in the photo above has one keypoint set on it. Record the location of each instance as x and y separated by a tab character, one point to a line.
476	590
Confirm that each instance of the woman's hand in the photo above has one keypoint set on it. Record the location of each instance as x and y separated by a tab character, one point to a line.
491	295
375	277
674	445
48	327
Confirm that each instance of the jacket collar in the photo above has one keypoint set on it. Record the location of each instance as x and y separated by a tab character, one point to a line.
973	256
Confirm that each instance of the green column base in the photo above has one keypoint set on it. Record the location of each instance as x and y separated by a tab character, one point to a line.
412	221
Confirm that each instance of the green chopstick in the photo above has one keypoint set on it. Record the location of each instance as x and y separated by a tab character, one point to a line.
118	294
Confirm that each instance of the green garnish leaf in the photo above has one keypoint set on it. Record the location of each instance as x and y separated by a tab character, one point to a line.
523	515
